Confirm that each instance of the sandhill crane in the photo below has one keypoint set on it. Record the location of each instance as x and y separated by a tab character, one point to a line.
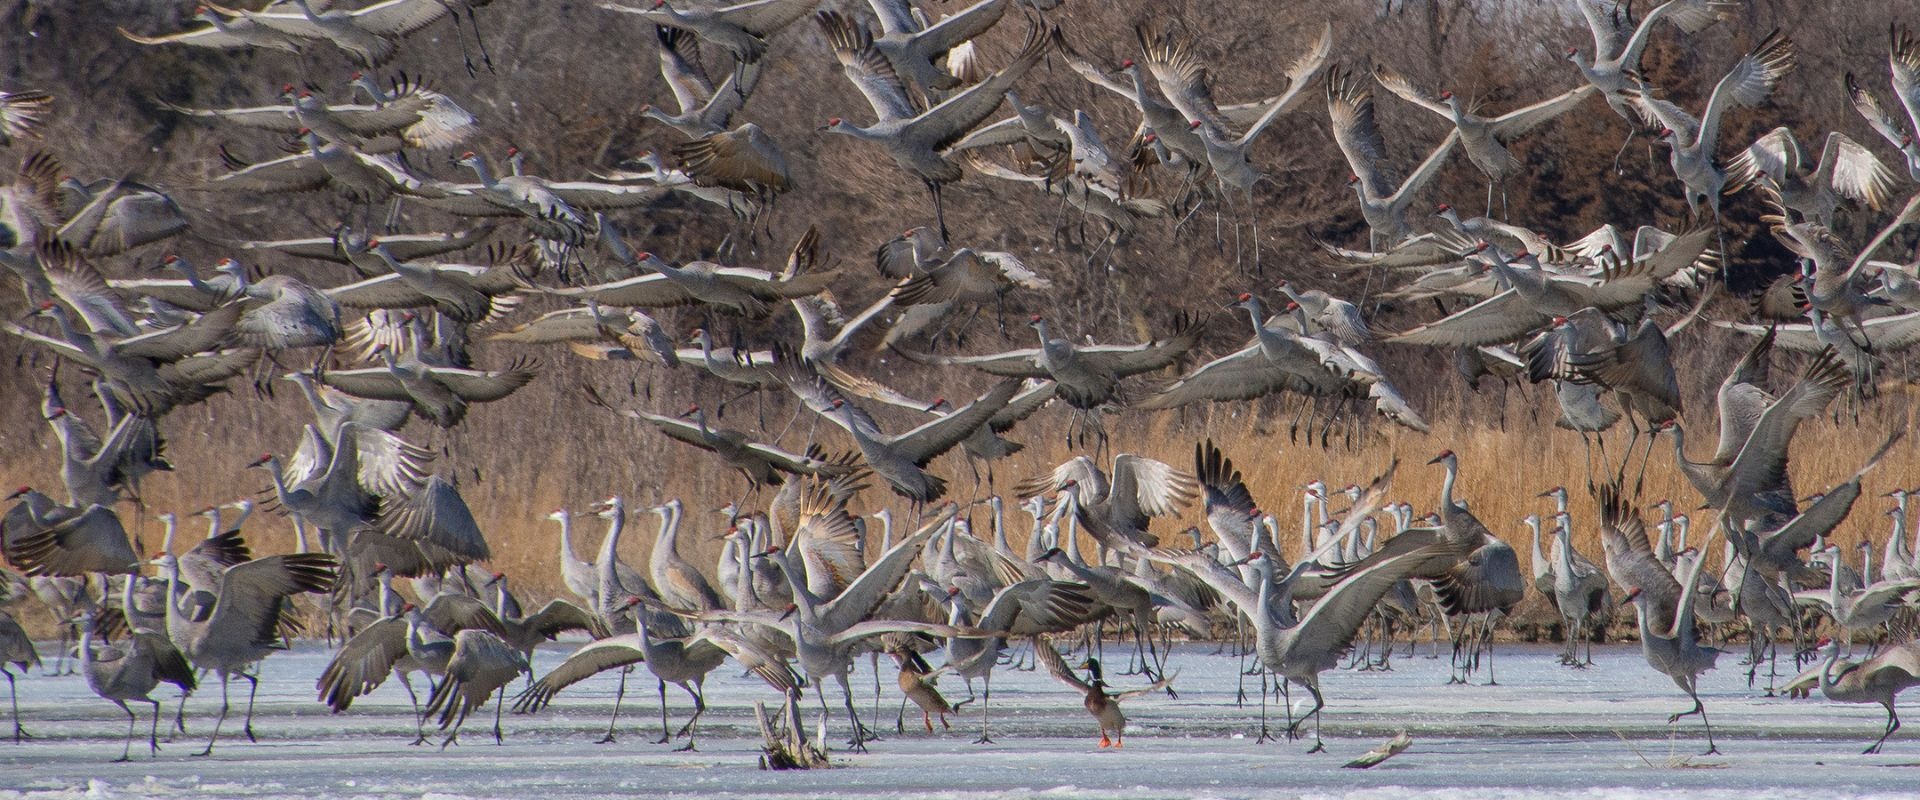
1879	679
1116	508
1384	195
16	651
1751	482
704	110
21	114
130	672
154	371
438	393
362	177
741	29
288	313
684	661
1695	141
1087	376
761	464
1300	649
1614	66
1483	138
1036	605
680	584
481	665
1675	650
1580	592
467	293
1868	607
1845	170
913	49
598	333
222	33
47	539
1103	705
916	141
901	459
743	290
236	626
367	34
1903	60
110	217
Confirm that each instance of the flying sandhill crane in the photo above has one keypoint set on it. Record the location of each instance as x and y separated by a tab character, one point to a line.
1088	376
367	34
222	33
901	459
1614	66
704	110
1299	649
1103	705
439	394
1846	170
917	140
1747	479
913	49
1903	131
1669	634
130	672
236	626
21	114
110	217
1384	195
1879	679
1695	140
47	539
760	464
481	665
741	29
1116	508
1485	139
16	652
683	661
325	164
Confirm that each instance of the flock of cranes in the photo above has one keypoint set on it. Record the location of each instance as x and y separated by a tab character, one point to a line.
803	586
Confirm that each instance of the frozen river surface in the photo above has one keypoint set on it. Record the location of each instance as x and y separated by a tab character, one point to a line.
1545	730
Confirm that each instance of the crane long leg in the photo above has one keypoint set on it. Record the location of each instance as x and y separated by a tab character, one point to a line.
220	720
986	701
253	689
13	695
619	696
859	742
1893	724
1266	735
665	736
1318	703
699	708
499	699
153	734
126	751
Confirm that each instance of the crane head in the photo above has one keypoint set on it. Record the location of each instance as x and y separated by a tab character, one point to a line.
1052	553
1558	321
1150	138
1127	64
1446	95
56	412
512	150
1292	306
1631	594
1193	125
1442	209
20	491
1444	456
498	576
939	404
261	461
1352	179
1573	51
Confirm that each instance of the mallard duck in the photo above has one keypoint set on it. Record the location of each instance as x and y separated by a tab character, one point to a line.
1103	705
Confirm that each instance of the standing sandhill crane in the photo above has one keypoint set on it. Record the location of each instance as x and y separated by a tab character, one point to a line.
21	114
1032	606
1695	141
367	34
222	33
131	672
16	651
1846	170
397	644
1676	651
916	141
481	665
1868	607
1879	679
1485	139
1104	706
1903	60
526	632
1384	195
1580	592
227	630
1614	67
1116	508
680	583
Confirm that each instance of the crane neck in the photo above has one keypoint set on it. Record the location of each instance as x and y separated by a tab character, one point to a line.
172	527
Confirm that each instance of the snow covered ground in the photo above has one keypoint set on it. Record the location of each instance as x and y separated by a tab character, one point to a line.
1545	730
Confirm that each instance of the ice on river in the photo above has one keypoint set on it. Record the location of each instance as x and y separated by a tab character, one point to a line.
1545	730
